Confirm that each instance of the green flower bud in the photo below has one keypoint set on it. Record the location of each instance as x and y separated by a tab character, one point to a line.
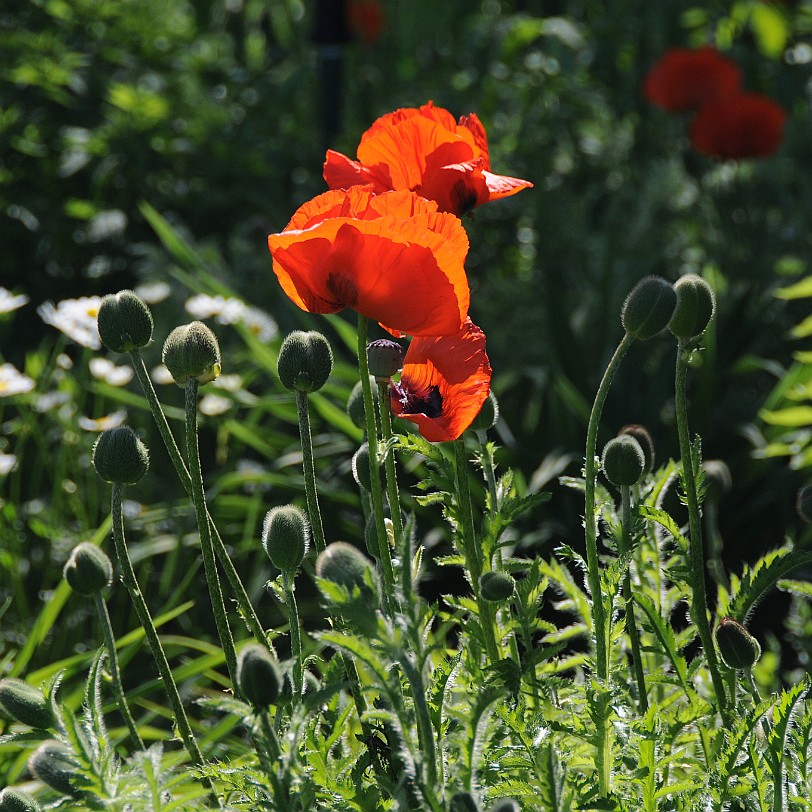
648	307
505	805
360	467
125	322
737	647
12	800
54	764
305	361
623	461
488	414
258	676
119	456
25	703
463	802
88	570
192	351
286	537
804	503
355	404
696	304
346	566
496	586
385	358
641	434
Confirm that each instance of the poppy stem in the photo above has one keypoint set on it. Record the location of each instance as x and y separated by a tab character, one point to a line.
309	468
289	584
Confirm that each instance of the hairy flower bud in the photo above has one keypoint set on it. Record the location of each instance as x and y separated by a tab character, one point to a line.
13	800
642	435
124	321
648	307
355	404
385	358
305	361
738	648
488	414
119	456
258	676
360	467
695	306
286	537
346	566
54	764
496	586
191	351
803	503
25	703
623	461
88	570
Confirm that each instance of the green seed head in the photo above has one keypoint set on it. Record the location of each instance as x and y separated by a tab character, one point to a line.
305	361
25	703
696	304
496	586
648	307
13	800
737	647
642	435
286	537
88	570
488	414
125	322
385	358
119	456
258	676
191	351
804	503
347	567
54	764
623	461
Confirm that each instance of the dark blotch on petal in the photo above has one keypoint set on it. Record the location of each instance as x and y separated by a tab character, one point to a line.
429	404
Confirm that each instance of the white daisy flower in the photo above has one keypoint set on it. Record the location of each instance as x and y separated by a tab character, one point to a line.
14	382
211	405
8	462
9	302
230	383
260	323
107	371
153	292
50	401
108	421
76	318
232	310
161	375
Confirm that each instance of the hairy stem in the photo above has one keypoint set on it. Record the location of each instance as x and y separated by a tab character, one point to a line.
295	634
303	411
392	492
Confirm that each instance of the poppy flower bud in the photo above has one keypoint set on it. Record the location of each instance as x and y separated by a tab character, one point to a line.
12	800
463	802
192	351
623	461
258	676
804	503
88	570
385	358
505	805
119	456
488	414
695	306
286	537
496	586
648	307
25	703
54	764
360	467
305	361
642	435
738	648
347	567
124	321
355	404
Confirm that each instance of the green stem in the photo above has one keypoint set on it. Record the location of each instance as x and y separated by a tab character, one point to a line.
309	468
699	603
274	756
206	544
631	625
115	671
490	478
392	492
425	731
243	601
295	634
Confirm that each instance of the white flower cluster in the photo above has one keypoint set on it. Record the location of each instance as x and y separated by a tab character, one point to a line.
14	382
76	318
230	310
9	302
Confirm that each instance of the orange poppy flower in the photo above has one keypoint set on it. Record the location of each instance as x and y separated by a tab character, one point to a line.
684	79
443	384
747	125
426	151
392	257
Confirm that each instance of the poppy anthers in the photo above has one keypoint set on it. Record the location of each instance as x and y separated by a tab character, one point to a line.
443	384
390	257
426	151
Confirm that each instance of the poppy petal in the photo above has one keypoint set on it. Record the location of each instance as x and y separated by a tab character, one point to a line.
341	172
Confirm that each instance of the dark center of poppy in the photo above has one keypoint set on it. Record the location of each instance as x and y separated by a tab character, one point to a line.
463	196
429	402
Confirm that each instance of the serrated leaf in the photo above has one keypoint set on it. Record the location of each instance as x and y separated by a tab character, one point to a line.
662	630
666	521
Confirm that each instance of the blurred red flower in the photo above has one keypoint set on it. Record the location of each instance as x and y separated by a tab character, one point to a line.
391	257
684	79
365	18
444	383
747	125
426	151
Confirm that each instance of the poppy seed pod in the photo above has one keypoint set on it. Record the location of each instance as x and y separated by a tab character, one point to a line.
695	306
496	586
488	414
623	461
25	703
54	764
286	537
191	351
642	435
803	503
258	676
463	802
88	570
119	456
738	648
12	800
346	566
124	321
305	361
648	307
385	358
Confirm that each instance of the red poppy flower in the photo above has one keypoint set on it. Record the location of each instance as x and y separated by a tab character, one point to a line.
684	79
392	257
747	125
444	383
426	151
